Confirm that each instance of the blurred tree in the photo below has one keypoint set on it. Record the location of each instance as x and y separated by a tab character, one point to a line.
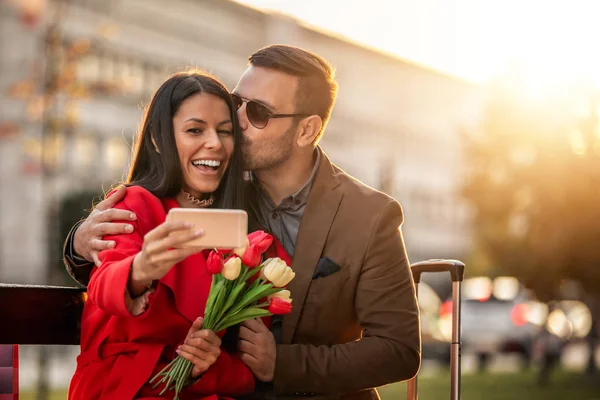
534	184
52	91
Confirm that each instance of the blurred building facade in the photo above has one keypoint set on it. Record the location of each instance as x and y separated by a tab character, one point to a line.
396	125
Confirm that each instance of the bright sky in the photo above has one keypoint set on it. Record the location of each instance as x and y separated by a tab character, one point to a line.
474	39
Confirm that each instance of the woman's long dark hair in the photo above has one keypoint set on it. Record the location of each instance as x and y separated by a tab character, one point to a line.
160	172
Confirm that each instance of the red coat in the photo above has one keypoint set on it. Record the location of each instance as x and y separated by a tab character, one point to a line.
120	353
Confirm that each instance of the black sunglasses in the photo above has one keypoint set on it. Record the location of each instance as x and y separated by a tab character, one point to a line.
258	114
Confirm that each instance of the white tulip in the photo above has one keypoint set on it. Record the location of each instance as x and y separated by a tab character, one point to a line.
232	268
270	270
277	272
283	295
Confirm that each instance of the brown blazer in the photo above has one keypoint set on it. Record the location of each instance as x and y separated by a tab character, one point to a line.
357	328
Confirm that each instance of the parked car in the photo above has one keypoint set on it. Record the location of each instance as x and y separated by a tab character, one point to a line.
434	345
495	319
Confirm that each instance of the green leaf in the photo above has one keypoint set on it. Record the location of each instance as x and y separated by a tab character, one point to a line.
242	277
233	296
253	294
217	307
249	313
254	271
212	305
254	284
212	293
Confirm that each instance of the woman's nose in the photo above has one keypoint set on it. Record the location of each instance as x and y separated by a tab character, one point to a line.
213	141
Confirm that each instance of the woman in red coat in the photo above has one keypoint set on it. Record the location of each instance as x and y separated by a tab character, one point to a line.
146	299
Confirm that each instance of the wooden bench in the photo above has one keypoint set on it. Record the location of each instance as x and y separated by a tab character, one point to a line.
47	315
51	315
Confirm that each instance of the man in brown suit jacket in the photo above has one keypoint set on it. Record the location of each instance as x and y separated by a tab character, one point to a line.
355	321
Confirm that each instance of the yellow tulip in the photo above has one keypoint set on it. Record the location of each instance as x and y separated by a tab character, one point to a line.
232	268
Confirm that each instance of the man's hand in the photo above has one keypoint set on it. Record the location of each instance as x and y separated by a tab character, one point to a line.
257	349
202	347
87	241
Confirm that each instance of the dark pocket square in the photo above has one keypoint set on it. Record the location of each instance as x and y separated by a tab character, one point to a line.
325	267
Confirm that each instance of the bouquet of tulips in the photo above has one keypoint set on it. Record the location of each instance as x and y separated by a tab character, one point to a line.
243	287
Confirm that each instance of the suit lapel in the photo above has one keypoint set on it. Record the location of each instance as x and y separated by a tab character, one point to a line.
321	207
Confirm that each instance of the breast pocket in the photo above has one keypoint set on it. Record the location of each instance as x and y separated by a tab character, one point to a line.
329	288
328	309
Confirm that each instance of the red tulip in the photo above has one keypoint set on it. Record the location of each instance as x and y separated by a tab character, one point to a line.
261	240
223	252
258	243
252	257
279	306
214	263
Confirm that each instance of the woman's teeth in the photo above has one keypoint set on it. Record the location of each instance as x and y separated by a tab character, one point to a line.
207	163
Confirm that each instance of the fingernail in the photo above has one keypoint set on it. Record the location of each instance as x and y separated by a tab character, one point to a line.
111	244
187	225
199	232
132	216
129	228
178	351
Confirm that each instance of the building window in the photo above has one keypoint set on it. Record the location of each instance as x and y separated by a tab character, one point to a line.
88	69
116	154
53	151
83	153
106	62
131	77
104	72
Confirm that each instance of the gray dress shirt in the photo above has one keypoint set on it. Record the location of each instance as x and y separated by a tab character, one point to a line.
283	220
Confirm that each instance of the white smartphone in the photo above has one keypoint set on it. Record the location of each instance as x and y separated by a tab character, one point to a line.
223	229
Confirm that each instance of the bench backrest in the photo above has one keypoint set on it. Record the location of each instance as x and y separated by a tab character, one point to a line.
40	314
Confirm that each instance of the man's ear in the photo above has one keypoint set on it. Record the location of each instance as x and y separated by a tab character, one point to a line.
154	143
308	130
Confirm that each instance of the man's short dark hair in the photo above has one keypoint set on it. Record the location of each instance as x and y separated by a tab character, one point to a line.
317	88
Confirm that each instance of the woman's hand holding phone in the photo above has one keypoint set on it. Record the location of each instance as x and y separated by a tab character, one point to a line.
162	249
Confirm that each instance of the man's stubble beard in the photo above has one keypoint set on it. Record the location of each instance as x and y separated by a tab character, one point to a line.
270	154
